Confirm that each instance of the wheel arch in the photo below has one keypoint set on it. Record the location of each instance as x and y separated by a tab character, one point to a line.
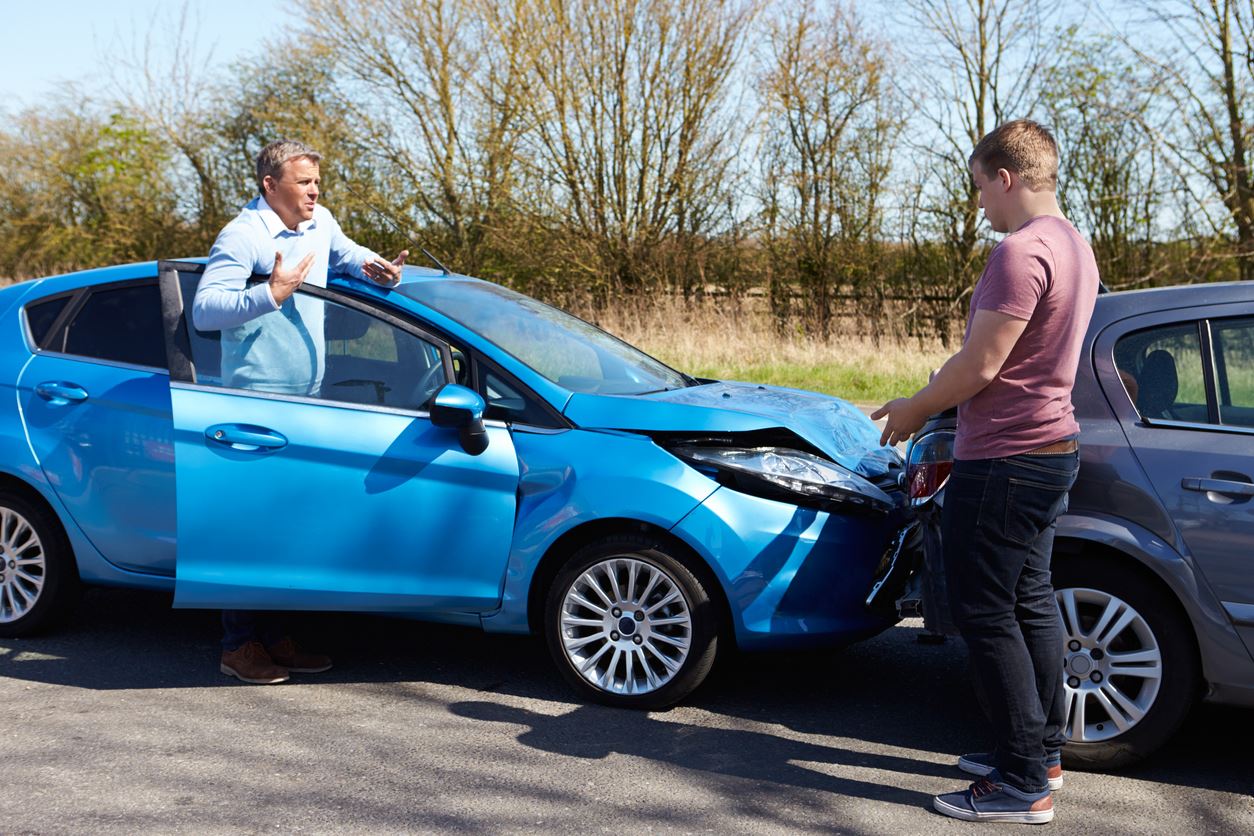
589	532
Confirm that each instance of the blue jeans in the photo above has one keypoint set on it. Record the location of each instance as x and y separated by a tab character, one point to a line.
242	626
997	530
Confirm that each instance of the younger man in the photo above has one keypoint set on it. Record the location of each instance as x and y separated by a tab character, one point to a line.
1016	457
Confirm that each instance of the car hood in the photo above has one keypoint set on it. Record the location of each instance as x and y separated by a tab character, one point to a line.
836	427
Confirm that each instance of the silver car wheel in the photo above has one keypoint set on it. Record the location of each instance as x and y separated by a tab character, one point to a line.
22	568
626	626
1112	664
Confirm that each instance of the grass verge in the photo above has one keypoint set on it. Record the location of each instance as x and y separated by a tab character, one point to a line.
740	344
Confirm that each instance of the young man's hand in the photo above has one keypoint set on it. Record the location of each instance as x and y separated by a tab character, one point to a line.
386	273
283	282
905	418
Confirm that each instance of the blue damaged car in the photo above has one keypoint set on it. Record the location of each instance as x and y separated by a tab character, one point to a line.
460	453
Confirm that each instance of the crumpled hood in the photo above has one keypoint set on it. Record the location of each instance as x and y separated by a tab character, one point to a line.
836	427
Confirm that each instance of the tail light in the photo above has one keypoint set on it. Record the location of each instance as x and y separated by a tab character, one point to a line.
928	463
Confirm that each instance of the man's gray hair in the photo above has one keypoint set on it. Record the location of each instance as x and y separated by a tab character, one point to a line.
271	159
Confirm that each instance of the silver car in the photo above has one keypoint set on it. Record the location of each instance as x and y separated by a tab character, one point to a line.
1154	559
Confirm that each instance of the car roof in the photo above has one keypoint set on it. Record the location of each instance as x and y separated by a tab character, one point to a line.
1119	304
146	269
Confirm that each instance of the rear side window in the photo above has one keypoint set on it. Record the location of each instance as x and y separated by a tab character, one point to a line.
41	315
120	324
1234	370
1162	370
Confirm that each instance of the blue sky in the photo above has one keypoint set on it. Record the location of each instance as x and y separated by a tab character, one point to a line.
46	42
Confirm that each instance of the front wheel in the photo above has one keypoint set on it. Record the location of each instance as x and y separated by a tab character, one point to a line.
630	625
1129	667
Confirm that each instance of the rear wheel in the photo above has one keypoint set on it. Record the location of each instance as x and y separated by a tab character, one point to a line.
1129	666
38	581
629	624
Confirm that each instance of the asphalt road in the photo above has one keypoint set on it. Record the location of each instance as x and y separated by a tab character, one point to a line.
121	723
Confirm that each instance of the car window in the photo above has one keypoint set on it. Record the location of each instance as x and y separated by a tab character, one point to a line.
1161	369
1233	342
121	324
507	400
315	347
40	317
574	354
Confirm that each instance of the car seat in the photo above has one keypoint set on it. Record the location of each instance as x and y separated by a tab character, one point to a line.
1158	385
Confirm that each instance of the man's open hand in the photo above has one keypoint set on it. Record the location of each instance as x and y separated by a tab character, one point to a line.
904	420
283	282
386	273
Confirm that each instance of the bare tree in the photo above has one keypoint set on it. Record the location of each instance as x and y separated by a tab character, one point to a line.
164	76
628	127
1207	77
828	134
979	66
435	85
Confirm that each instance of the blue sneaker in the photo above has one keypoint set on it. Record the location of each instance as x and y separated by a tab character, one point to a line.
989	799
982	763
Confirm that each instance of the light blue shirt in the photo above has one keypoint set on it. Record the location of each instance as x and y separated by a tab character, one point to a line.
265	346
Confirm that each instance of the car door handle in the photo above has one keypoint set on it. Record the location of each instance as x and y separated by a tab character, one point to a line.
59	392
1195	483
245	437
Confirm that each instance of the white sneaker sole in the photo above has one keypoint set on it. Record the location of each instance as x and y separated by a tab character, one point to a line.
980	770
1042	817
229	671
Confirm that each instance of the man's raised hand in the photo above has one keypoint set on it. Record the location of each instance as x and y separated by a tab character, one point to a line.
283	283
386	273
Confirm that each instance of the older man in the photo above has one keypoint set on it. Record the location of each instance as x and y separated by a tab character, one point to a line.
272	340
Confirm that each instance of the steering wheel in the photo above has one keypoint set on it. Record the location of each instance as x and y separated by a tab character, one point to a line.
426	386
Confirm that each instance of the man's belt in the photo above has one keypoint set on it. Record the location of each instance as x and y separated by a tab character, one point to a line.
1058	448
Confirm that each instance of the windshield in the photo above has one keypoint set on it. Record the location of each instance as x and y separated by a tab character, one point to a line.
568	351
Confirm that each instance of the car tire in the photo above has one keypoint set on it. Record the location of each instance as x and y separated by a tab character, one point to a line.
1150	692
39	580
659	646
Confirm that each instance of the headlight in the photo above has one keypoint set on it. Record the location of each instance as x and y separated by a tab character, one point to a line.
781	473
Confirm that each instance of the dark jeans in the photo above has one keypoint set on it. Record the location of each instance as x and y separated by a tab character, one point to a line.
997	529
242	626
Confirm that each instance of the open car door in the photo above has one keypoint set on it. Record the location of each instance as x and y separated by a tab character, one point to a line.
323	484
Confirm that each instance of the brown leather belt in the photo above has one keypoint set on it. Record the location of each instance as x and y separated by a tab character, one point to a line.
1058	448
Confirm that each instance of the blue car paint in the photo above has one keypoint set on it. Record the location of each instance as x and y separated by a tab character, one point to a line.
834	426
792	575
110	457
574	477
360	509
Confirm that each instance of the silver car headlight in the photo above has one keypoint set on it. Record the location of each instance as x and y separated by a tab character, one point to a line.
785	474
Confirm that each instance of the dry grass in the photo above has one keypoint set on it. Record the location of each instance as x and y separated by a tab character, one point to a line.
719	341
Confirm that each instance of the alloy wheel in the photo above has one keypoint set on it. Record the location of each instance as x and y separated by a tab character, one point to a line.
1112	664
626	626
22	566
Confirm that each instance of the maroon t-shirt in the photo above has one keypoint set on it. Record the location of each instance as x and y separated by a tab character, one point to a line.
1043	272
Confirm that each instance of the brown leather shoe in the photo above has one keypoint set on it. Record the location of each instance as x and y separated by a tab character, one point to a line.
252	664
286	653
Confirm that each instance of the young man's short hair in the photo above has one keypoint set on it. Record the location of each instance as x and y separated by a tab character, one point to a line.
271	159
1024	147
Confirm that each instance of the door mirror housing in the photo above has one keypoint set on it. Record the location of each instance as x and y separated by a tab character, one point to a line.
456	407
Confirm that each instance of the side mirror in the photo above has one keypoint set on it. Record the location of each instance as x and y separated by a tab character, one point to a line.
457	407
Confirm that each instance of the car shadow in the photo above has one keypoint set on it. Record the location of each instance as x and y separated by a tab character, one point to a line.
597	732
891	691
